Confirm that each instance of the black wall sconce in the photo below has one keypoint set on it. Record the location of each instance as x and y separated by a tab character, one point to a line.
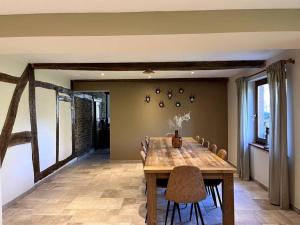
147	98
157	91
192	98
161	104
177	104
169	94
181	90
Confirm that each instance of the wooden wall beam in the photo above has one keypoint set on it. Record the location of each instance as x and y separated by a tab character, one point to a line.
19	138
73	124
162	66
8	78
50	86
55	167
33	122
57	127
12	112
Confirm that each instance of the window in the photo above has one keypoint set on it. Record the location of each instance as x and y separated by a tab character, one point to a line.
262	111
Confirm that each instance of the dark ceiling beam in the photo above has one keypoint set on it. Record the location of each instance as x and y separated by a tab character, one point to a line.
161	66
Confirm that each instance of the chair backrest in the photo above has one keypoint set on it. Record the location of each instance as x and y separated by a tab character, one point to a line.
222	153
201	141
143	157
213	148
186	185
144	149
147	141
206	144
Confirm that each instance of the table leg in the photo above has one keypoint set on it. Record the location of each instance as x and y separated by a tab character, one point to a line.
151	199
228	200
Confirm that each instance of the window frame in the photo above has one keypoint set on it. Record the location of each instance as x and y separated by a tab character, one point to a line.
261	141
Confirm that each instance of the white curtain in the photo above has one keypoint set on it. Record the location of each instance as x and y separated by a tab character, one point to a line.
243	160
279	177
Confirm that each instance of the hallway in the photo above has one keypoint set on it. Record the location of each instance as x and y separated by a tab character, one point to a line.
95	190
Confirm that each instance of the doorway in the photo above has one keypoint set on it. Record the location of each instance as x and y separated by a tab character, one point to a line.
102	122
92	123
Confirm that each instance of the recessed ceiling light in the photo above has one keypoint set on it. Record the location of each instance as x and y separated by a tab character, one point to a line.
192	72
102	74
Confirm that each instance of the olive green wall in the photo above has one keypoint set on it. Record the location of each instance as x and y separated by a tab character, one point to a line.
132	118
149	23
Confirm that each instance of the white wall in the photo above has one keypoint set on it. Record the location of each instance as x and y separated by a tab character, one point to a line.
17	170
293	122
46	126
17	174
65	128
259	163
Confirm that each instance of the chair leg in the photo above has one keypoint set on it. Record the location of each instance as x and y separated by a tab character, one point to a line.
146	217
167	213
213	196
146	188
191	212
178	209
220	201
173	214
196	213
201	217
208	190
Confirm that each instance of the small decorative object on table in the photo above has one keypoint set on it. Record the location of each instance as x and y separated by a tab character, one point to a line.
176	140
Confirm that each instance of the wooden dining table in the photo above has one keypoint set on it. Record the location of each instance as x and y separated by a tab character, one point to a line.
162	158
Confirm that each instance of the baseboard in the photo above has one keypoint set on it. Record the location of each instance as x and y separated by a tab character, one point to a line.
36	185
260	184
295	209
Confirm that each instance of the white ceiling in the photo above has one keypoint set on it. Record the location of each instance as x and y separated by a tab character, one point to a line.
140	48
150	48
75	6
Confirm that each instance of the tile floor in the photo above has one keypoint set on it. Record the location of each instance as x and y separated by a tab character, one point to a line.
96	191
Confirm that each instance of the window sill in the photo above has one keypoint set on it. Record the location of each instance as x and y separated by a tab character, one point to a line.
259	146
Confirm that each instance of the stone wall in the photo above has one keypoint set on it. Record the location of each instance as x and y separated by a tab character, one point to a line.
83	125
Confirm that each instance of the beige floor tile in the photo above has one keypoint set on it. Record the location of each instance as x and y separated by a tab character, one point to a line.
97	191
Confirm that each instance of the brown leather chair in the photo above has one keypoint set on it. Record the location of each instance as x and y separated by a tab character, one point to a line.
144	148
185	186
212	184
201	141
222	153
143	157
147	142
206	144
213	148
